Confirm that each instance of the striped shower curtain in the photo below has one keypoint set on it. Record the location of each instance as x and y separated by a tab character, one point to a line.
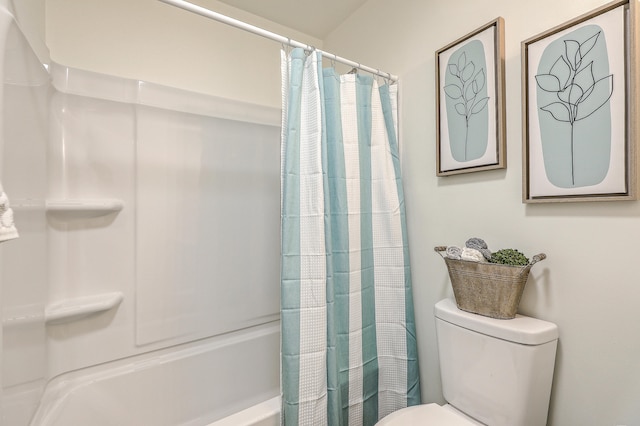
349	352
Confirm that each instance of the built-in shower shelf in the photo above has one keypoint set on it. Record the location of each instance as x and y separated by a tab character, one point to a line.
81	307
88	207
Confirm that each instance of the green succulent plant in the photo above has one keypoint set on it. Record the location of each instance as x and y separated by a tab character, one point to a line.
509	257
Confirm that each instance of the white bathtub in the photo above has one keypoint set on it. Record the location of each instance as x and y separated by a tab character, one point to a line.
227	380
266	413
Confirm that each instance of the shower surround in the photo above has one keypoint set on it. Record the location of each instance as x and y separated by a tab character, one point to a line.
144	287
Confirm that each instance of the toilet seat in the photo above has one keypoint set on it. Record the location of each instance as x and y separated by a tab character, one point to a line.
426	414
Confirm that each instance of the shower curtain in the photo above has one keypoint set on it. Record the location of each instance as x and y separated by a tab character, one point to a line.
349	352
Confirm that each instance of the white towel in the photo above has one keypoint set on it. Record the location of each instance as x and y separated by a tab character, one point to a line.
453	252
472	255
8	229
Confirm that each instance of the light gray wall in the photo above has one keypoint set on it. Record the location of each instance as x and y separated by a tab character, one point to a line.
588	285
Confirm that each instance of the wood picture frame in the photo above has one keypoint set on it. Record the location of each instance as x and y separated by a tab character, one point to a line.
580	108
470	104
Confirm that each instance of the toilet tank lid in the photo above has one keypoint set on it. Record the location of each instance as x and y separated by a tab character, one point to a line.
521	329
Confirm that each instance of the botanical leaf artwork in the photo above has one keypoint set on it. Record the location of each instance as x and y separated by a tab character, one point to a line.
574	92
466	92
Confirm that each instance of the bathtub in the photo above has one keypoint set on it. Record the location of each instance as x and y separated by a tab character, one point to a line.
216	382
266	413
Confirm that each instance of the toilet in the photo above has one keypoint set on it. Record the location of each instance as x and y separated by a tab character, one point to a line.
494	372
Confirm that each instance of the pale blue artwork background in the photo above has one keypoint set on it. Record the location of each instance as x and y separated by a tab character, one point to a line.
592	135
479	123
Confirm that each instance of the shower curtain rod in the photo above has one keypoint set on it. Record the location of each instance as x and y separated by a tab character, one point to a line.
273	36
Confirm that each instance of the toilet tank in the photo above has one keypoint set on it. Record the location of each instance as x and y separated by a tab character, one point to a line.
498	372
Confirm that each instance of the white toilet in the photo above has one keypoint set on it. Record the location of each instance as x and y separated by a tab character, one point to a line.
494	372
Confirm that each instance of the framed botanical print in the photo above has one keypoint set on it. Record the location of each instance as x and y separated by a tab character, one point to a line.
580	106
470	114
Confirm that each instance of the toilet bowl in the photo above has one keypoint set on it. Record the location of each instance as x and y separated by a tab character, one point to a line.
494	372
427	414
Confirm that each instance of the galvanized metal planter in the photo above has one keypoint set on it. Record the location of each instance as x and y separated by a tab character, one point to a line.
488	289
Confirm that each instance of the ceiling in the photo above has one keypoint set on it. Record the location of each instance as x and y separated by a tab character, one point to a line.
313	17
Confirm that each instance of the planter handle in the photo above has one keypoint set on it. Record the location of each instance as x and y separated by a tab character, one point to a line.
440	249
537	258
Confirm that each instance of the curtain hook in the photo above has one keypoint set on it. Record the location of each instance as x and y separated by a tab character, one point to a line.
356	68
308	49
286	46
336	76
